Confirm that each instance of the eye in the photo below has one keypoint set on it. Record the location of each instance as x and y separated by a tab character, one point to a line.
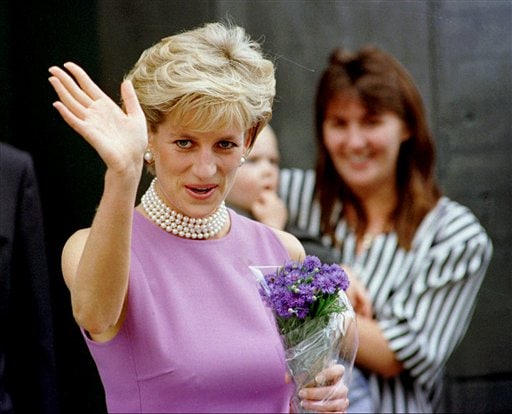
226	145
183	143
336	122
275	161
373	120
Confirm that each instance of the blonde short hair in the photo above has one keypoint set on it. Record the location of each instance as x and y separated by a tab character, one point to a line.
212	77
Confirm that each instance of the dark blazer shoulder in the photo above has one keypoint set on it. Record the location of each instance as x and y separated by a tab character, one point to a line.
16	176
13	161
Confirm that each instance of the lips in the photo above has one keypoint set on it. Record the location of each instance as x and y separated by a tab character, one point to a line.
358	161
201	191
358	158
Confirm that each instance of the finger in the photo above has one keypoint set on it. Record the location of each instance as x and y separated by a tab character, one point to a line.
330	375
67	99
338	391
364	303
71	119
130	100
331	406
70	85
322	386
84	81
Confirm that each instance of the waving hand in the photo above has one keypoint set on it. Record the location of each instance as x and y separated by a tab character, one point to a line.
119	137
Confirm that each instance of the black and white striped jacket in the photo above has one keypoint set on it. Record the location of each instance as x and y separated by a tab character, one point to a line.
423	299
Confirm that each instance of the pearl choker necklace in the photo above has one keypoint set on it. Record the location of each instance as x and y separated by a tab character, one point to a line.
179	224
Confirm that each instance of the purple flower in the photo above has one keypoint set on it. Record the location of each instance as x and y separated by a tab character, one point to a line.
299	290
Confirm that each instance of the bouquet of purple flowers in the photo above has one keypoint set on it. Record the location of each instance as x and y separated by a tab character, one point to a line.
313	315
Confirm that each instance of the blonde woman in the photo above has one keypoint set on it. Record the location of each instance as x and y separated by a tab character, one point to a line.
162	291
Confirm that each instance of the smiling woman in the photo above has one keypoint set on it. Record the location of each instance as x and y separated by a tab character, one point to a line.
416	259
366	145
163	292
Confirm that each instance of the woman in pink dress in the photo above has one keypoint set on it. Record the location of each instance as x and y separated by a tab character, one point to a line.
162	292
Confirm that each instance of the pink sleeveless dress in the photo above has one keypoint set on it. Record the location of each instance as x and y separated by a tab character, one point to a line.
197	337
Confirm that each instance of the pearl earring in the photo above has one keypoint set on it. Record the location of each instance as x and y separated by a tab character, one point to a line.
242	160
148	156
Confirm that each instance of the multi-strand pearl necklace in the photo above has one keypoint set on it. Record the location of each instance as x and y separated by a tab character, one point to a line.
179	224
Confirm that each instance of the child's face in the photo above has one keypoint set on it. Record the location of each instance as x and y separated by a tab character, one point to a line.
258	174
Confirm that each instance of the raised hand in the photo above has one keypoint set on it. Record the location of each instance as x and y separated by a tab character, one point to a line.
119	137
358	295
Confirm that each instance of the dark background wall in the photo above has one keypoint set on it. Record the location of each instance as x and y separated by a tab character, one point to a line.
460	53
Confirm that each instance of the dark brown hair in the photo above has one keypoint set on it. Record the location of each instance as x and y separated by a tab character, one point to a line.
382	84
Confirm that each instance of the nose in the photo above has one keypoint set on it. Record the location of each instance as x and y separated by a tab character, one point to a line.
355	137
205	165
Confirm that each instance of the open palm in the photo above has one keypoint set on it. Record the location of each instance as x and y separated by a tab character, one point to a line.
119	137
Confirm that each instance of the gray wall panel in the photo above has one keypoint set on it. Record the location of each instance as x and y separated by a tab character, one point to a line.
473	61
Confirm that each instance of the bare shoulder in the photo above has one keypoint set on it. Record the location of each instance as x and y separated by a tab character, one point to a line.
292	244
71	254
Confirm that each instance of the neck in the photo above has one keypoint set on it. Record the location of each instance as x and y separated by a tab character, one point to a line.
378	208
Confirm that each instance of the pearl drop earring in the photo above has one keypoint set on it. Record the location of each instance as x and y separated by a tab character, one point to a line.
242	160
148	156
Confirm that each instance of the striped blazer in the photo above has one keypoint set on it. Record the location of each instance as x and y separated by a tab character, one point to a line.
423	299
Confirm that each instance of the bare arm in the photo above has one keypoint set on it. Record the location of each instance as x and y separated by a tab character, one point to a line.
292	244
95	262
374	352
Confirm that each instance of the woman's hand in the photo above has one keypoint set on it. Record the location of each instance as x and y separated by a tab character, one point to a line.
328	394
358	295
119	137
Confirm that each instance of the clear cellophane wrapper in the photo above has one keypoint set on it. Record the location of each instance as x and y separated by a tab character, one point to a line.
317	344
329	340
